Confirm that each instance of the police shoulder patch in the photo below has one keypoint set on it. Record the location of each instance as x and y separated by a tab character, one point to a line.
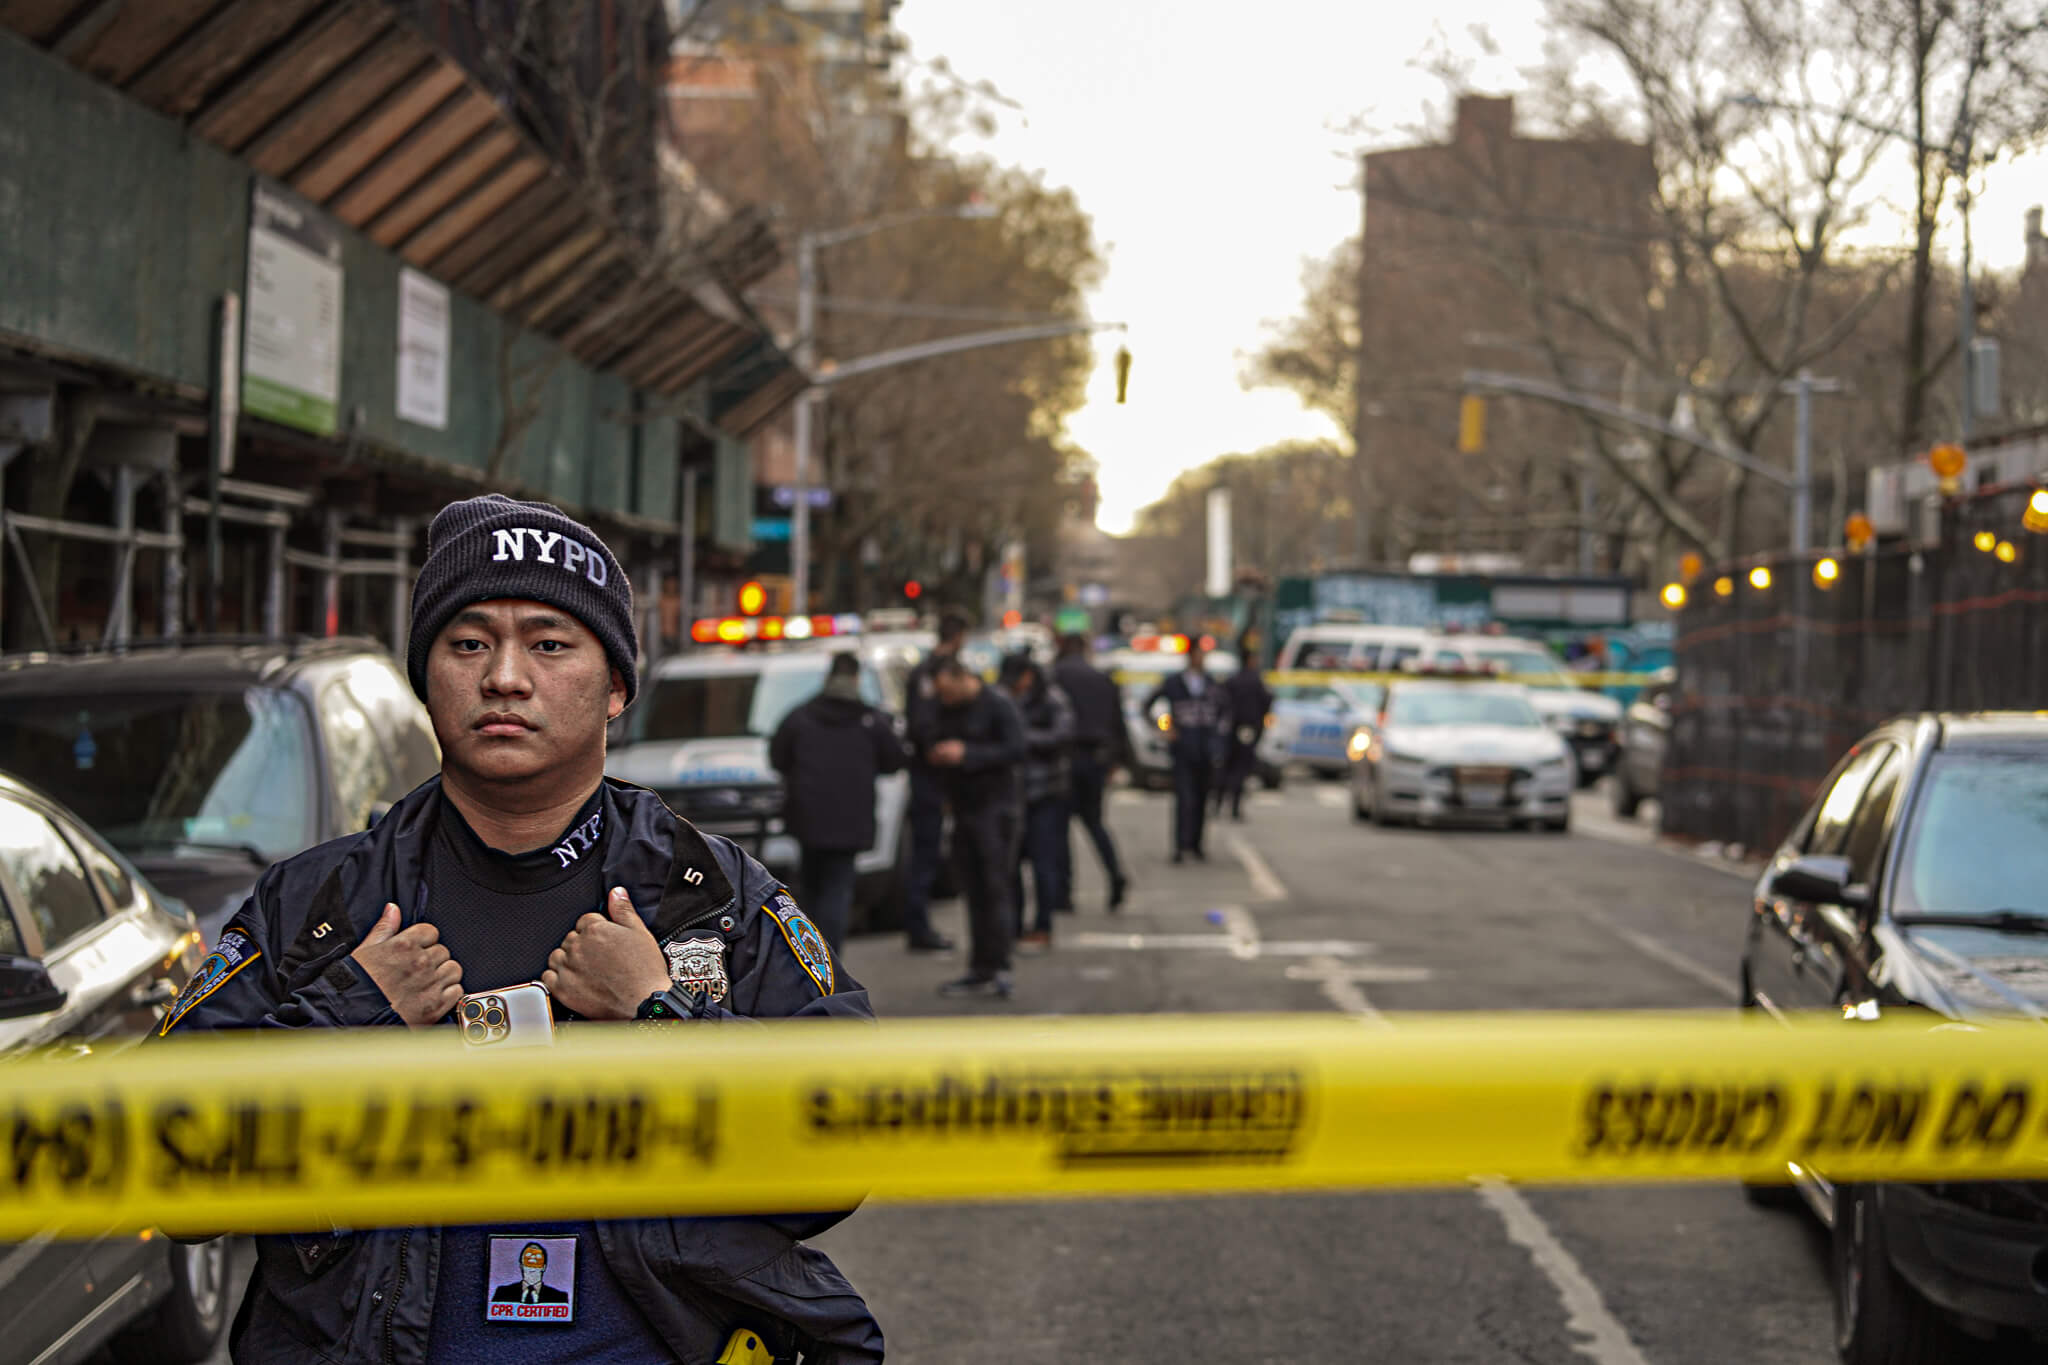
235	951
804	939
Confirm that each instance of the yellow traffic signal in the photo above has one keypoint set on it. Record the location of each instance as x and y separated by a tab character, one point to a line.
1123	372
1673	596
1472	425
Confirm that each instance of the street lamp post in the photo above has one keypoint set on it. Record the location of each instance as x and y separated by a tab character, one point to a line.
807	248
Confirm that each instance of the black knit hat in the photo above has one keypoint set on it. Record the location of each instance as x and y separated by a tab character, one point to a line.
495	546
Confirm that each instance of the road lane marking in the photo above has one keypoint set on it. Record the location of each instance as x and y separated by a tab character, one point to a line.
1669	956
1601	1338
1221	943
1265	886
1243	931
1344	985
1333	797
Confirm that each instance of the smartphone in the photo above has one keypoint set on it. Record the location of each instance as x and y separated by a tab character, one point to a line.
511	1016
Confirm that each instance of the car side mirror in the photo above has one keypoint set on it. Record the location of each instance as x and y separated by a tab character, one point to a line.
1819	879
26	988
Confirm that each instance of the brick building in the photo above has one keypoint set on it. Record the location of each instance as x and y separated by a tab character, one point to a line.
1492	250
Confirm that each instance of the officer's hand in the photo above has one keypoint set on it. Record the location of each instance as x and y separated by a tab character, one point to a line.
412	968
609	964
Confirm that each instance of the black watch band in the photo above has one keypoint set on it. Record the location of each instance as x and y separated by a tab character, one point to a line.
663	1006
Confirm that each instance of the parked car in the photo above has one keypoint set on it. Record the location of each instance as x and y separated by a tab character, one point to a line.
91	955
1447	752
1645	735
699	736
1913	886
1588	721
206	763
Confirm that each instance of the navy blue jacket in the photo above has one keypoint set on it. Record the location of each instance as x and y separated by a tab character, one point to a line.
348	1296
1201	725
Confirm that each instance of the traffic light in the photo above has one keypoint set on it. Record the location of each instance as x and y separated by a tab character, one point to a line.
1123	372
1472	425
753	598
912	590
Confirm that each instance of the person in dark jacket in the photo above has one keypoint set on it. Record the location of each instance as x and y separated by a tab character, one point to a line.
1250	700
927	794
1045	785
1102	743
976	743
522	862
1200	727
829	751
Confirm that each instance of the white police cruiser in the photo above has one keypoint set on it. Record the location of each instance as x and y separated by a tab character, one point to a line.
699	733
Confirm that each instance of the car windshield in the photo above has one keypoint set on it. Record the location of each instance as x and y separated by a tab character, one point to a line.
164	774
1360	696
1978	839
1450	706
718	705
1525	663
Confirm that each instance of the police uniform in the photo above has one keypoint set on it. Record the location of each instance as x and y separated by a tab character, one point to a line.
1201	722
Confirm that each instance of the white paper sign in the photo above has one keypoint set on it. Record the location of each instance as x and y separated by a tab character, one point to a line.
423	329
291	345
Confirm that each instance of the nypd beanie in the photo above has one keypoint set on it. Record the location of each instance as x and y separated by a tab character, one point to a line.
494	546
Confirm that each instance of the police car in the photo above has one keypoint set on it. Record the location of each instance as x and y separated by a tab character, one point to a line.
1587	720
1138	671
1447	751
1313	722
698	736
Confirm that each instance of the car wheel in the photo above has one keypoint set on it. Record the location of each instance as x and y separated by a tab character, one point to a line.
188	1325
1623	794
1560	826
1879	1318
1271	778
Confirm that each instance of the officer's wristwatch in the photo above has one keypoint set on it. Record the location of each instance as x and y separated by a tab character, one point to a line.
664	1006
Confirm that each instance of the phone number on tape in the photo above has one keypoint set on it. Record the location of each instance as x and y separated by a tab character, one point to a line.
107	1146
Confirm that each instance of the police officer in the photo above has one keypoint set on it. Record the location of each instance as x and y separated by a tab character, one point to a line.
521	862
927	794
976	742
1249	702
1200	714
1101	742
1046	786
829	751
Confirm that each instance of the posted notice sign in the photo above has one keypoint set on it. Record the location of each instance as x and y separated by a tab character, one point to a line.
422	350
291	339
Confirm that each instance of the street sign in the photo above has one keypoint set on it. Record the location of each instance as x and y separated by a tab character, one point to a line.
1071	620
785	496
771	528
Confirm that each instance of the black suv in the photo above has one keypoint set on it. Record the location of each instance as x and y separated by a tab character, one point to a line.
1913	888
206	762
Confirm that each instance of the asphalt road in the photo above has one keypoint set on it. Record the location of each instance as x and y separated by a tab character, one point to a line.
1596	919
1444	921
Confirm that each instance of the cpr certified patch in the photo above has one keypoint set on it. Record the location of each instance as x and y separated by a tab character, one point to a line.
235	951
532	1280
804	939
698	964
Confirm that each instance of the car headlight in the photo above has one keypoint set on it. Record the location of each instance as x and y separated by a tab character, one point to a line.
1360	742
1165	724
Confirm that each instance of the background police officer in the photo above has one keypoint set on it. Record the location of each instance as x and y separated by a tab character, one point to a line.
1200	727
1101	742
829	751
927	792
1250	700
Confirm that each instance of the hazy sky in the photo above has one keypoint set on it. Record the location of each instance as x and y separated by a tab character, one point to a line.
1208	139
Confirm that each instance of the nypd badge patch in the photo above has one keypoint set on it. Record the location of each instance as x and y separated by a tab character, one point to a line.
804	939
234	951
698	964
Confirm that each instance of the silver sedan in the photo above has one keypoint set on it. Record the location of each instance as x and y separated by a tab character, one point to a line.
1445	752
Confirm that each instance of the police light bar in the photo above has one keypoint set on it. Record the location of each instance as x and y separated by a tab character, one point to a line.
742	630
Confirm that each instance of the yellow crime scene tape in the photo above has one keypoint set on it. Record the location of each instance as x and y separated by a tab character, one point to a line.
272	1132
1295	677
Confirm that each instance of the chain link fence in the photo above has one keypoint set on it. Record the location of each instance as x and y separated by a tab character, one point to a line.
1775	682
